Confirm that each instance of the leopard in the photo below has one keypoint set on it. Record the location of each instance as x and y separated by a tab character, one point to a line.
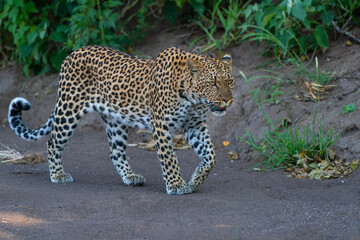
171	92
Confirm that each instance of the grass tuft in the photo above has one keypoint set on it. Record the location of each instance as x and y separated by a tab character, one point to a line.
280	147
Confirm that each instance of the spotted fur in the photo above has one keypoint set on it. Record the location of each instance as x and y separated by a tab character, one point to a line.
172	91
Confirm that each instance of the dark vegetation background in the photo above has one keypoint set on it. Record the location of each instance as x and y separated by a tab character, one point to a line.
40	34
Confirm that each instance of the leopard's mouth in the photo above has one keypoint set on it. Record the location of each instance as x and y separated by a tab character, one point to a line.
219	111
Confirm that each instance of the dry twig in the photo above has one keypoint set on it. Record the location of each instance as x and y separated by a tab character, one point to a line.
342	31
13	156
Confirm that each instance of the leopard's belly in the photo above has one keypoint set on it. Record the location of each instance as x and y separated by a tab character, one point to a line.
140	116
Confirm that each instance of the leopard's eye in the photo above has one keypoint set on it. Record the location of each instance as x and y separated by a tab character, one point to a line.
211	82
231	83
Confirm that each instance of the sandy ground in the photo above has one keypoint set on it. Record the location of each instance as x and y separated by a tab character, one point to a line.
234	202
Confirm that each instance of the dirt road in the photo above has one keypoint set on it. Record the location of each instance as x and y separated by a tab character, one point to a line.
234	202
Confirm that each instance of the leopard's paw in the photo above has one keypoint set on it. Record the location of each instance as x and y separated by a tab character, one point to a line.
178	189
194	187
61	177
135	180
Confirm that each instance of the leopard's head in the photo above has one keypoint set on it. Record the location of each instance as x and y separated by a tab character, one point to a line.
212	82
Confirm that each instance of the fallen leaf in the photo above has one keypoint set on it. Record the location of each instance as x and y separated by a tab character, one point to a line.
312	165
304	58
323	164
348	43
331	154
233	155
319	169
354	164
314	89
226	143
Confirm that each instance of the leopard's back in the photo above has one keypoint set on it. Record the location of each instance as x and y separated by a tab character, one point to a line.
107	81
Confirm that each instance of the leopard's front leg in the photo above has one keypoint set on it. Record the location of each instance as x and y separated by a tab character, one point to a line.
197	135
175	184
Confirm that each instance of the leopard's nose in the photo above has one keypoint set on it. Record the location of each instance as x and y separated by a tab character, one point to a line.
228	101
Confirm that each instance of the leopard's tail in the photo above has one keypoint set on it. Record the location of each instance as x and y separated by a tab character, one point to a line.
16	106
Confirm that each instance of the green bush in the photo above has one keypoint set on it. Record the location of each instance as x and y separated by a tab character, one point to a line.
40	34
300	25
306	21
28	26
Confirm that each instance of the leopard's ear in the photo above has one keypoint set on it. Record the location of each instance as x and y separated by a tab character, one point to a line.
193	65
227	59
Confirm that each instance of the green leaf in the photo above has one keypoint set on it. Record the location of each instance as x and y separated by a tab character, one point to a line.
312	165
303	44
31	37
269	15
247	12
285	40
115	3
14	12
180	3
354	165
321	36
25	50
307	24
42	33
307	3
258	19
35	52
42	29
327	17
320	8
31	8
58	37
198	6
349	108
299	10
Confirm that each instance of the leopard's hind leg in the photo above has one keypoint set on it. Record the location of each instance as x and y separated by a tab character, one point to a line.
117	136
66	118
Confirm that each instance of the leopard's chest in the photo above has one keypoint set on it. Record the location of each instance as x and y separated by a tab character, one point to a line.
186	114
